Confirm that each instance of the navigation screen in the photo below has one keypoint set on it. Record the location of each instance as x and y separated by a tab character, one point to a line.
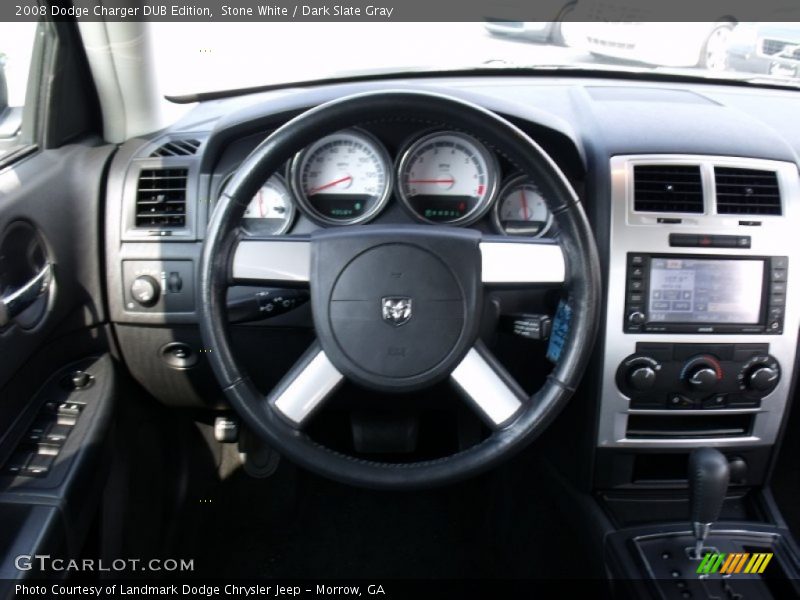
689	290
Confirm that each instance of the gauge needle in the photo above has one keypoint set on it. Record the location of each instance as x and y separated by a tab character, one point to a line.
261	203
328	185
524	204
431	180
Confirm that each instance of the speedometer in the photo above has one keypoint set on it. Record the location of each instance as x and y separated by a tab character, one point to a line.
447	177
343	178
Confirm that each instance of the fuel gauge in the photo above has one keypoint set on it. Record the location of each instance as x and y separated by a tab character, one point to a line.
271	210
521	209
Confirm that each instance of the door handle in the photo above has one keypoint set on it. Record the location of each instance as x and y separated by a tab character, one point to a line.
20	299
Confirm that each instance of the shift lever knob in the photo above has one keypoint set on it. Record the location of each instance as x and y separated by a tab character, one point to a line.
708	482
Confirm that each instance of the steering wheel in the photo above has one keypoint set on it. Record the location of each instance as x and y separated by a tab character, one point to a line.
397	308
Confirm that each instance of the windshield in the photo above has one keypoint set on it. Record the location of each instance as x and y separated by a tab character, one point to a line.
206	57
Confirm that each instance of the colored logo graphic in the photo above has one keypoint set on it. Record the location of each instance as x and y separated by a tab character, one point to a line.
735	562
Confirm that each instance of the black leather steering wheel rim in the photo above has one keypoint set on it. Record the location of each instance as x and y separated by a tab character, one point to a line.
582	282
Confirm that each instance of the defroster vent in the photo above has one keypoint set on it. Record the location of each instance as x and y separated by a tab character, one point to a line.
177	148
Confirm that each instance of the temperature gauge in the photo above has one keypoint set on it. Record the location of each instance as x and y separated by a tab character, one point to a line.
521	209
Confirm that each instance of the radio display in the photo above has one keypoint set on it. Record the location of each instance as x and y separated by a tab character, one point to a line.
698	290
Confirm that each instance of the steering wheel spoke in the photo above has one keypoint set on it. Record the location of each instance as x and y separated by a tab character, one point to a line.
510	262
305	388
284	261
488	387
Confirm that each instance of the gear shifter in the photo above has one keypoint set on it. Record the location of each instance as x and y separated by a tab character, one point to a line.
708	482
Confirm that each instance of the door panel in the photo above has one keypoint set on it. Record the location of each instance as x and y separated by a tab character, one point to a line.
58	194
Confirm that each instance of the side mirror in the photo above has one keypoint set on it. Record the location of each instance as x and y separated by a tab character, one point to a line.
10	118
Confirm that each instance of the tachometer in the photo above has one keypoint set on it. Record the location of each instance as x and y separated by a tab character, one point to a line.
521	209
343	178
447	177
271	211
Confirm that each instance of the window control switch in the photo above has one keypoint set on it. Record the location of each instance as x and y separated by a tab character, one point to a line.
57	434
69	410
17	462
39	465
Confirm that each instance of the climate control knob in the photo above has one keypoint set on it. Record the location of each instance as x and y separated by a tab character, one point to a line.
762	379
760	375
702	373
145	290
637	374
642	378
702	379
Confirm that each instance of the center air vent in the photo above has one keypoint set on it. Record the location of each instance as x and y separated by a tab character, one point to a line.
667	188
177	148
747	191
161	198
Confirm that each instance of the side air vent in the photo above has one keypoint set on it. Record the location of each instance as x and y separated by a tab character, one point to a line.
161	198
667	188
177	148
747	191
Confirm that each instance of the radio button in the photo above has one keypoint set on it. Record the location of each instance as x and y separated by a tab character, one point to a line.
775	312
778	300
780	262
636	259
636	317
777	287
778	274
636	272
635	285
635	298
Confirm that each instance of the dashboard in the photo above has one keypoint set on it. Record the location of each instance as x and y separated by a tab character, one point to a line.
692	191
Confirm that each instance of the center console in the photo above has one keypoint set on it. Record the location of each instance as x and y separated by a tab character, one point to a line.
702	317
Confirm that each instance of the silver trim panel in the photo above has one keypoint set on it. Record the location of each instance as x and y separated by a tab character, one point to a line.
632	231
307	391
521	262
483	386
278	260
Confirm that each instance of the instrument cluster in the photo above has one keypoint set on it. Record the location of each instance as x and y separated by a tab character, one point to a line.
439	177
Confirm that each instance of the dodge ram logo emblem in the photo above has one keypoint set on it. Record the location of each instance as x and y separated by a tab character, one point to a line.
396	310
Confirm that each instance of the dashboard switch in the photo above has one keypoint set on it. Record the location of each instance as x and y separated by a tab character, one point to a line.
145	290
680	402
226	430
174	282
532	327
